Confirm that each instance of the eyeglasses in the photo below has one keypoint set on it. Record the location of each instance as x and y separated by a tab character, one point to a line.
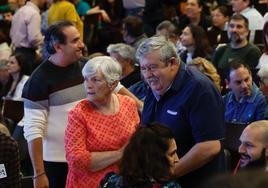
152	68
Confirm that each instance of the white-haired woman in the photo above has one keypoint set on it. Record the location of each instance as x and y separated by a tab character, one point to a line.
263	76
99	126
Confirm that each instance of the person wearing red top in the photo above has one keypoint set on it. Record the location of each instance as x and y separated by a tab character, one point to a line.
98	127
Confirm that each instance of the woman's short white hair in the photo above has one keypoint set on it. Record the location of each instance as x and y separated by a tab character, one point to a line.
263	74
110	68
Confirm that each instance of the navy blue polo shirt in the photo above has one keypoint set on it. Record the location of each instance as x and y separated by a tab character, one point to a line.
193	109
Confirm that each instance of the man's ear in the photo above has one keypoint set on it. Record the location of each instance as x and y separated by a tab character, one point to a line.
57	47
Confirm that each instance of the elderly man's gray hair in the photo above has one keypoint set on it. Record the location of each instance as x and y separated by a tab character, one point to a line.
124	50
166	48
110	68
263	74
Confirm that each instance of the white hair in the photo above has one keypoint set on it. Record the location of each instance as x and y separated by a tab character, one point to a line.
166	48
124	50
110	68
263	74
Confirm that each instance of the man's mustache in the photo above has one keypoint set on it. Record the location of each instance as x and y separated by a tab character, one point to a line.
236	37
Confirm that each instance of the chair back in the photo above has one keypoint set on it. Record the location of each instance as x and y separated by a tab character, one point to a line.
13	110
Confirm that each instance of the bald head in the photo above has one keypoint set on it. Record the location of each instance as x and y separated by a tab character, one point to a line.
259	128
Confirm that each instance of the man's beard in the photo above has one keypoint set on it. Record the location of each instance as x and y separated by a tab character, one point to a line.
236	38
258	163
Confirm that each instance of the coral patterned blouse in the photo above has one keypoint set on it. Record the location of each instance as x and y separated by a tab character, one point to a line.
91	131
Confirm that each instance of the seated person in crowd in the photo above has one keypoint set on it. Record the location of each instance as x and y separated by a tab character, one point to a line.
9	160
194	39
244	103
4	77
220	18
133	31
171	32
264	57
195	15
245	7
18	69
125	55
148	160
254	146
208	69
263	81
99	126
239	47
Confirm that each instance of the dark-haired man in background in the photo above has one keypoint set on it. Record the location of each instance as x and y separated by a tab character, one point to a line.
239	46
244	103
132	31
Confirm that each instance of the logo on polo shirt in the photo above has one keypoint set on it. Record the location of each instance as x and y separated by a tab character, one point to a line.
174	113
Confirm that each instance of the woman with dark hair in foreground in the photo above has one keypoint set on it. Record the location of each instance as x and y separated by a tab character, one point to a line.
148	160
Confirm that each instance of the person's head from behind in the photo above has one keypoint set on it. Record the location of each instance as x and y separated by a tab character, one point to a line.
238	29
254	145
194	37
150	154
124	54
101	76
193	8
240	5
208	69
18	65
220	16
169	30
239	79
132	28
263	80
159	63
62	40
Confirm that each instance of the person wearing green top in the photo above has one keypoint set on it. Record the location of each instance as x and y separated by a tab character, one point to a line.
239	47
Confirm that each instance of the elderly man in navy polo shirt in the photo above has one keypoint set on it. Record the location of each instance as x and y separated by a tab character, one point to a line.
189	104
